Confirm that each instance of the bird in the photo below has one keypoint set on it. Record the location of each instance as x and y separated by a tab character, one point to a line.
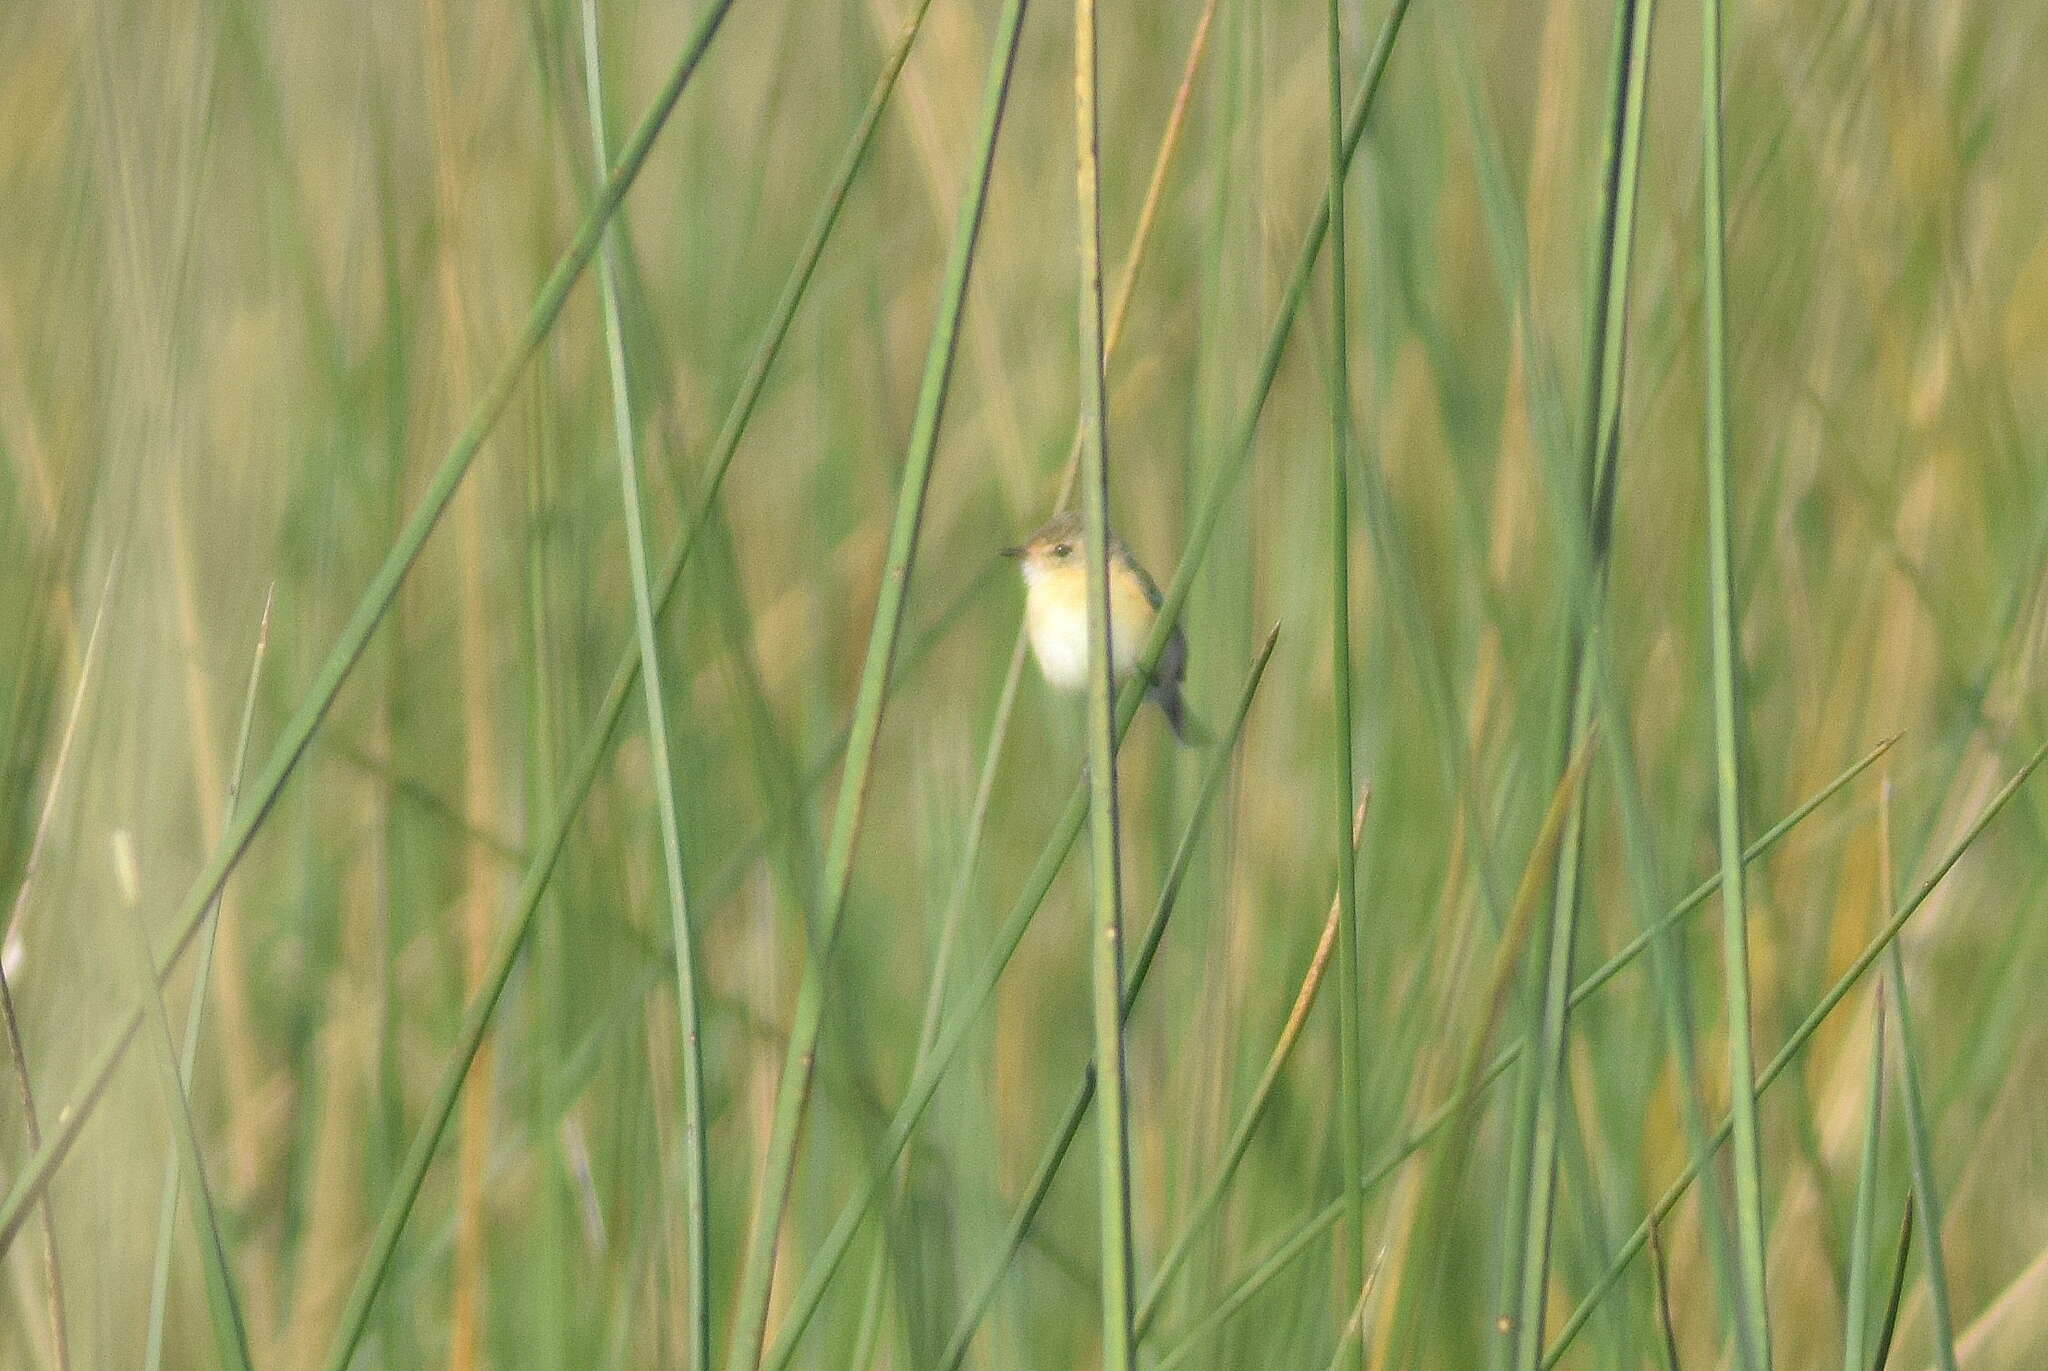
1055	569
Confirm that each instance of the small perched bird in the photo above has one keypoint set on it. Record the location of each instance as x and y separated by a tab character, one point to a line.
1055	571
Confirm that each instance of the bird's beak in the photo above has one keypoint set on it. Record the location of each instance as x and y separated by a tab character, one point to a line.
1010	551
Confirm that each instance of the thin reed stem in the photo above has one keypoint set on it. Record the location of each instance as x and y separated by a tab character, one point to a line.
347	650
202	976
1355	1327
696	1199
1926	1198
1435	1121
1350	974
1666	1326
1526	1246
1112	1114
1889	1325
1856	1316
1218	1184
792	1092
1141	964
1794	1042
1438	1199
1572	538
1753	1325
1202	528
224	1303
17	1051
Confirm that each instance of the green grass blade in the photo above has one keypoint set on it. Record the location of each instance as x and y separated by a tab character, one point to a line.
1440	1187
1856	1318
1271	1265
1526	1267
1240	1141
1350	975
1355	1327
1794	1042
1919	1148
1042	1176
750	1320
696	1201
1665	1325
1112	1115
924	1081
376	598
1435	1121
17	1052
1919	1144
1574	542
1753	1328
956	900
167	1212
42	1164
223	1302
1202	527
1890	1325
1438	1197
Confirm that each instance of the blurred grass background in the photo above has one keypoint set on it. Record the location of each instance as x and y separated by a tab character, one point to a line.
257	265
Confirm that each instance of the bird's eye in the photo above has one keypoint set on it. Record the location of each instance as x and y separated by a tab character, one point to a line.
1062	550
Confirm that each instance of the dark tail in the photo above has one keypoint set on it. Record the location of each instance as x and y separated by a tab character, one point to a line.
1185	728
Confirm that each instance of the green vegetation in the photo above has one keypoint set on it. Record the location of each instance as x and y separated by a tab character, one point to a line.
529	836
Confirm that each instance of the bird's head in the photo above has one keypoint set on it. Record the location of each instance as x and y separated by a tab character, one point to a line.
1054	549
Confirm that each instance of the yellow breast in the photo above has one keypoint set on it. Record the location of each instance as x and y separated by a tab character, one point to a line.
1056	615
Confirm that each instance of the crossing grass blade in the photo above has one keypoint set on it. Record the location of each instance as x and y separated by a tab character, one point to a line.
1527	1239
167	1214
1112	1114
1926	1199
1856	1314
1438	1189
750	1319
1047	1169
696	1185
1217	1185
1427	1129
1356	1328
1350	978
1753	1328
1882	1355
376	599
17	1052
1006	698
223	1302
1794	1042
1202	528
1665	1325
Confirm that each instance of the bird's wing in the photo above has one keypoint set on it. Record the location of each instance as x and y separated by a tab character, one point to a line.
1152	595
1173	658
